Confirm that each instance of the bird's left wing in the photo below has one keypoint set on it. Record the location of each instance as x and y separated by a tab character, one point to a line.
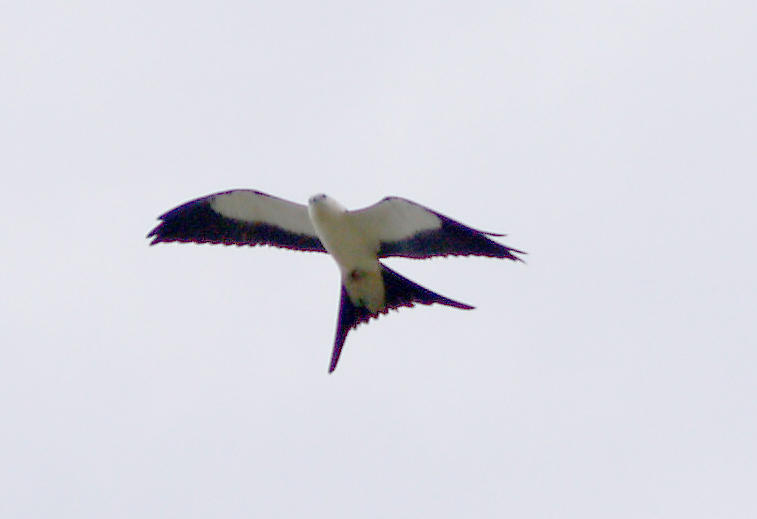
239	217
403	228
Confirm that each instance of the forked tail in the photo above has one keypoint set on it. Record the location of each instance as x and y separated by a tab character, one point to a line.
399	291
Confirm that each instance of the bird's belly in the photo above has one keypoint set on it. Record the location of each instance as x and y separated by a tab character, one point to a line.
365	288
356	258
348	249
347	244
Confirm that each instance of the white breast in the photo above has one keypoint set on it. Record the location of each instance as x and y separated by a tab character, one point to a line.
352	249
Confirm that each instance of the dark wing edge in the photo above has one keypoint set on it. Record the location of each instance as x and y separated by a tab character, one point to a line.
451	239
400	292
197	222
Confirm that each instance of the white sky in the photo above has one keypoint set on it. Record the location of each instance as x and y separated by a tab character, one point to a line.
611	376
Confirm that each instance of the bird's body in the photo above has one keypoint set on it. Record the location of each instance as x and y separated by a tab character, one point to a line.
355	239
353	250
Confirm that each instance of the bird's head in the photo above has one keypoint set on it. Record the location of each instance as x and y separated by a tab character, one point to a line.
323	202
320	197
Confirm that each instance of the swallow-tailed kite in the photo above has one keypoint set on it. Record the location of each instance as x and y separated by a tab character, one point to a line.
355	239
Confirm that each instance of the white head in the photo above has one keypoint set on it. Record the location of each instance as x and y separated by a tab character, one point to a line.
323	202
316	198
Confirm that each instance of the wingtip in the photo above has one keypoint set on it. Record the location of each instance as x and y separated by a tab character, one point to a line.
156	238
510	254
155	234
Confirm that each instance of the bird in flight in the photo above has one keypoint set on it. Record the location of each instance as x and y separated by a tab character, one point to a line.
355	239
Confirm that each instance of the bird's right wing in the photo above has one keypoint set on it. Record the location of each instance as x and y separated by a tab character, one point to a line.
403	228
239	217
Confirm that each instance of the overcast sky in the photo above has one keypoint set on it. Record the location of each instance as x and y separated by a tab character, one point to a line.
613	375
